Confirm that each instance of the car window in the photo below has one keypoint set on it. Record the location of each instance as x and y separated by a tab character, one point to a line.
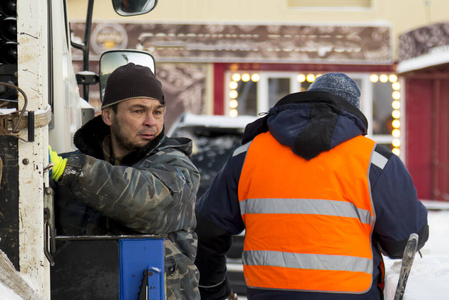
211	149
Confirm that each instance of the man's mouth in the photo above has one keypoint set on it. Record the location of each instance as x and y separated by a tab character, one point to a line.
147	136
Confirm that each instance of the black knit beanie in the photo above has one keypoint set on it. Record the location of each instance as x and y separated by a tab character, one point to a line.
132	81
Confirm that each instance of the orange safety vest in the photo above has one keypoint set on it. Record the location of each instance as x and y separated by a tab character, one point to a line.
308	222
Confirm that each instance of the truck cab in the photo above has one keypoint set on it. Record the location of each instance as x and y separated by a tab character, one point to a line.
40	105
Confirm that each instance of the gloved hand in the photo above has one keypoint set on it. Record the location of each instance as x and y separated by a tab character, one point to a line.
59	164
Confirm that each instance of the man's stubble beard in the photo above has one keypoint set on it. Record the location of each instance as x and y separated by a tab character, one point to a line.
123	139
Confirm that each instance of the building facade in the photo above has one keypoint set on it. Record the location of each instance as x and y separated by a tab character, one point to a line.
240	57
424	67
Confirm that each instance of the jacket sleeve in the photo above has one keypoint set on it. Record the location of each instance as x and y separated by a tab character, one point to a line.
152	197
218	218
398	211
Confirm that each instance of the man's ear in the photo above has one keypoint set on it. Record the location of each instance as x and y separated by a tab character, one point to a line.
106	115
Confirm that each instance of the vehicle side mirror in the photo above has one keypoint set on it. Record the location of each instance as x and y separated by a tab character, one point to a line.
133	7
111	60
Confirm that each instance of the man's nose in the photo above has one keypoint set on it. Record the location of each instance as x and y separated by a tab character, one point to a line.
149	119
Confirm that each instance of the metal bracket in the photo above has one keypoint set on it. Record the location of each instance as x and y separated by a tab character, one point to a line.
49	223
150	284
10	124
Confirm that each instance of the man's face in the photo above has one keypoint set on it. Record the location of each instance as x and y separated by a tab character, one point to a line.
136	123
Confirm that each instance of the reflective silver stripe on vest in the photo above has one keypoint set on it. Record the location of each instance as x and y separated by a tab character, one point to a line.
307	261
241	149
305	206
379	160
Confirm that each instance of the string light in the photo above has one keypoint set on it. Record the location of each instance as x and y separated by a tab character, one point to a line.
393	78
310	77
396	114
233	113
383	78
396	133
301	77
255	77
233	94
396	143
396	123
396	95
396	104
246	77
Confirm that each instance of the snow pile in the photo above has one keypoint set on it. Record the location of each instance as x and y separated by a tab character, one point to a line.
429	276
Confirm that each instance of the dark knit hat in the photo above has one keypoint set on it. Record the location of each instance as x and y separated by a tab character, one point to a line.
132	81
338	84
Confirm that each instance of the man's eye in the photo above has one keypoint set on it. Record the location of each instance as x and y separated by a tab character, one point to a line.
138	111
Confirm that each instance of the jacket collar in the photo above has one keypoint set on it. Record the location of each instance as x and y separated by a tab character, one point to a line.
89	140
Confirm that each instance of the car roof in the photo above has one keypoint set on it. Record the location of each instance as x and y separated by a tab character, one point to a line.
192	120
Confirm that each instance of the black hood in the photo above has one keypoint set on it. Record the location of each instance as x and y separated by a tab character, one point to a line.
310	122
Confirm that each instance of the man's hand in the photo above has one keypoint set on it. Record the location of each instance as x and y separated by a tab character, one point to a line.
58	162
233	296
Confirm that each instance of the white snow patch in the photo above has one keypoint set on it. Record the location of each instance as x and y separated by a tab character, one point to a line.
429	276
7	293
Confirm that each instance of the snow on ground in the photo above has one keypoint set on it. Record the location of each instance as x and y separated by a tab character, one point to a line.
429	276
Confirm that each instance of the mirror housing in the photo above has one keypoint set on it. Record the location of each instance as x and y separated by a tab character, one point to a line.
87	77
111	60
133	7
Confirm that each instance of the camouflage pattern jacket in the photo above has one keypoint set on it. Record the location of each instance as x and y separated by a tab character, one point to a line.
152	191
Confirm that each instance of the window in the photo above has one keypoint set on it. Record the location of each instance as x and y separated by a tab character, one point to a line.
254	93
329	3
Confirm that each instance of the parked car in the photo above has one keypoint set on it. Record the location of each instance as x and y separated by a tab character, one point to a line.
214	140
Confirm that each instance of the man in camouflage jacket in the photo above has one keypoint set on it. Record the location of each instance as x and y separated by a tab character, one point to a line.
129	178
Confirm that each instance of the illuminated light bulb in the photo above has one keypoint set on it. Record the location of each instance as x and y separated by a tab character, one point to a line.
317	75
396	133
233	85
233	113
396	143
396	104
374	78
233	94
396	86
396	95
396	123
236	77
255	77
396	114
233	103
310	78
301	77
396	151
393	78
383	78
246	77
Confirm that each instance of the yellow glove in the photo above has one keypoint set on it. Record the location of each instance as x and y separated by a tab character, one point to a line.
59	164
